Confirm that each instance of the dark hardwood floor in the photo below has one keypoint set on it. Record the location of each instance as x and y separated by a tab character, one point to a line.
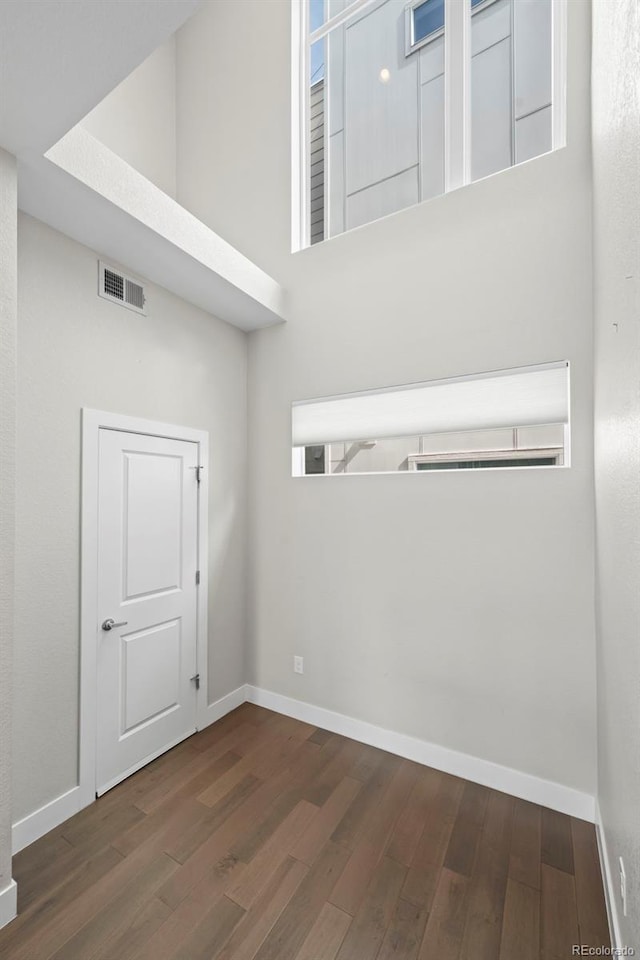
262	837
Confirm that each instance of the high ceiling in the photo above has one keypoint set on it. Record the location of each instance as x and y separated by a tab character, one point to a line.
59	58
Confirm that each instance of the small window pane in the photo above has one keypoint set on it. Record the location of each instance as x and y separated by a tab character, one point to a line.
314	460
427	19
510	83
317	14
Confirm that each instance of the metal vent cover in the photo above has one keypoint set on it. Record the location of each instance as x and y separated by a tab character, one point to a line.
119	288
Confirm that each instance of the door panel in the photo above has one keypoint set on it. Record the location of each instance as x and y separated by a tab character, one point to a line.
147	559
153	524
148	694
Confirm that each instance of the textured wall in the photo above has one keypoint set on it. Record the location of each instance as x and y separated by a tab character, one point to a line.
8	311
177	364
458	608
616	169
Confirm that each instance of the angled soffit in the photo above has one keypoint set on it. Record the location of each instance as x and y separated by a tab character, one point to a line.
58	59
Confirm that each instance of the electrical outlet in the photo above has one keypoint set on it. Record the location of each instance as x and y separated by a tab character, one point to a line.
623	887
298	665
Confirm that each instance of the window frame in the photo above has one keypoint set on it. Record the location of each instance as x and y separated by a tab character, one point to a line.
457	39
410	44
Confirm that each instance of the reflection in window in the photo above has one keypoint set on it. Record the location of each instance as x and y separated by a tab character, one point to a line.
510	418
374	103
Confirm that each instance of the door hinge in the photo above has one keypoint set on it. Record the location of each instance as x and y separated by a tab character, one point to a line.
197	470
197	577
196	679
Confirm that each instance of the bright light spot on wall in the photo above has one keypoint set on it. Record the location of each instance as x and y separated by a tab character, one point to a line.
385	75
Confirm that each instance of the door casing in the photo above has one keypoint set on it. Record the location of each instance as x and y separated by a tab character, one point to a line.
92	422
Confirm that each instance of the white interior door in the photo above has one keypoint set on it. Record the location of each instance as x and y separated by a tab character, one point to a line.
147	600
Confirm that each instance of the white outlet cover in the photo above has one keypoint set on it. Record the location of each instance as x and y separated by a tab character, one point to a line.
298	665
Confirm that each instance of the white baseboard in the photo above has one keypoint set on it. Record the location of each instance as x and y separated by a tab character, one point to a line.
223	706
36	824
544	792
610	887
8	904
515	782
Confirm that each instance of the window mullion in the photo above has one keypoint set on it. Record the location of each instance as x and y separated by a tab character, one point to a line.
457	104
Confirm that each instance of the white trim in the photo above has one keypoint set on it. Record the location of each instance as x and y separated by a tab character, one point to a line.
220	708
356	6
92	422
610	887
8	904
559	74
457	99
556	796
299	113
46	818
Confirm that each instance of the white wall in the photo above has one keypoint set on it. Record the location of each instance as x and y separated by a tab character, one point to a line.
137	120
616	165
177	364
454	607
8	316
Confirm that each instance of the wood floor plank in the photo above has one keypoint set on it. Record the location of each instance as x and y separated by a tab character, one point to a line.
34	878
292	927
558	913
93	900
137	933
351	887
324	849
367	830
326	935
96	937
171	935
253	929
410	824
524	865
557	843
339	756
211	934
369	926
311	843
446	924
320	736
210	819
429	853
461	852
405	932
261	869
32	922
93	837
367	803
487	892
520	938
219	844
177	778
592	913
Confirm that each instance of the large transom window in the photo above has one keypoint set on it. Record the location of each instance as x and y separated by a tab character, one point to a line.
400	102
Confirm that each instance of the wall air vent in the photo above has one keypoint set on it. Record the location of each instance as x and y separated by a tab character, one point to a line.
115	286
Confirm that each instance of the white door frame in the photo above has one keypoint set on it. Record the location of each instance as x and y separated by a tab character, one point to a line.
92	422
